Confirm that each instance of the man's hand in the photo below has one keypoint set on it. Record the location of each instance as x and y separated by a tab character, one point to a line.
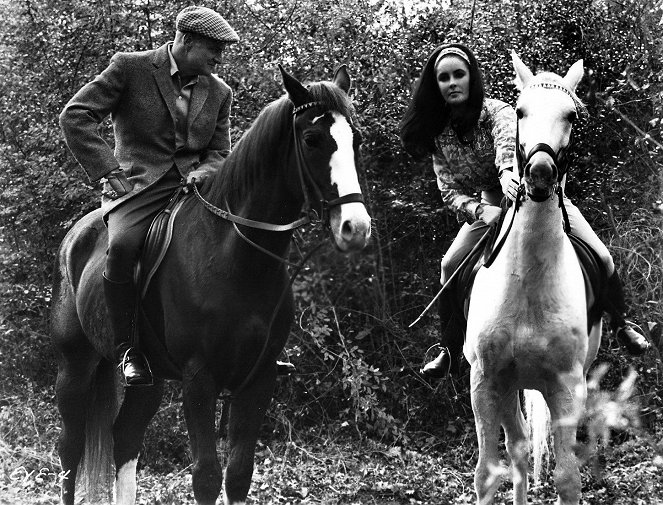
119	184
510	184
199	176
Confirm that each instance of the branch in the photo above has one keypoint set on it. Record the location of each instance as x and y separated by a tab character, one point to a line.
627	120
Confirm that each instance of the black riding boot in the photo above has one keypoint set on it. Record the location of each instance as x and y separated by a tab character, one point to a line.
285	368
451	342
120	301
635	343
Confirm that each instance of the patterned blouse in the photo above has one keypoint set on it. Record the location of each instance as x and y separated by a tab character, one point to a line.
465	170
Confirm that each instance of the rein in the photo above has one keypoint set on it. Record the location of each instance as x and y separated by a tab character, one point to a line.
322	216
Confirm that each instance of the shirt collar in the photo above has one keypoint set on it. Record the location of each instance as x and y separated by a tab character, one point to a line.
173	63
173	66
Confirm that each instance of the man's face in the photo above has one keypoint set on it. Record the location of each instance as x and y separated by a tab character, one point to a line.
202	56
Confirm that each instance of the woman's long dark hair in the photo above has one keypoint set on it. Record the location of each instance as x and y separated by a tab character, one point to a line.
427	114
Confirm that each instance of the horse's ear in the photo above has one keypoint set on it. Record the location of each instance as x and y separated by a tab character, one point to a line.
297	93
342	78
574	75
523	74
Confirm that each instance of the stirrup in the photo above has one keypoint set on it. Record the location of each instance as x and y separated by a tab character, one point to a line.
435	371
285	368
148	381
634	347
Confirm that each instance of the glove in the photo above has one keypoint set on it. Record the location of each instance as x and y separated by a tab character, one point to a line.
119	184
198	176
509	183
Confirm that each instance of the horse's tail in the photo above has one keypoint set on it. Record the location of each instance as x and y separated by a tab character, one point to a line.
538	421
95	475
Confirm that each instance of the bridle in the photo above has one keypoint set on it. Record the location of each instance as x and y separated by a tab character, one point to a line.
560	160
310	214
320	214
306	178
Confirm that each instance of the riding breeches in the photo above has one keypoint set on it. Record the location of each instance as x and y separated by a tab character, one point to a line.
470	234
129	222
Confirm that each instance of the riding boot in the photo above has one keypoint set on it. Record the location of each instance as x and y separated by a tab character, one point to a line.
441	365
615	305
120	301
285	368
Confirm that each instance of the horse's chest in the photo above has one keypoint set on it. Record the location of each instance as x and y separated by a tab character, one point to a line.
520	316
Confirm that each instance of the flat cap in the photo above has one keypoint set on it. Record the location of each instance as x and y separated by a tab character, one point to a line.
205	22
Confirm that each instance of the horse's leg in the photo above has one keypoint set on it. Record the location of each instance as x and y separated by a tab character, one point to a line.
200	394
73	393
566	400
247	412
516	445
486	407
139	406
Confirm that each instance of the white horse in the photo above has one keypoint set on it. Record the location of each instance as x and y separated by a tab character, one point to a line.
527	325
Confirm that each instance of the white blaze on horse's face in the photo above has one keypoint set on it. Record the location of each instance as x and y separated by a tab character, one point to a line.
350	222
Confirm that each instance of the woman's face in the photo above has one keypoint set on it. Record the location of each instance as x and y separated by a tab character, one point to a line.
453	79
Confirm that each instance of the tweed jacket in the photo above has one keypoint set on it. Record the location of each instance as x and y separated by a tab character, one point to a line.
463	170
136	89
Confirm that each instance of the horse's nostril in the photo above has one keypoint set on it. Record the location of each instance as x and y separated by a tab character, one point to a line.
347	230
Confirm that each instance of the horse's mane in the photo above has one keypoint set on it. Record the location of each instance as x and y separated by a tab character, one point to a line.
266	145
552	78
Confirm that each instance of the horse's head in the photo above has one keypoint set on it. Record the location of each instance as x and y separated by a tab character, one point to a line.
326	144
546	110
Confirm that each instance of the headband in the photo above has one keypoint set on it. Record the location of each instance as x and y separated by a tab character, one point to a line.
452	51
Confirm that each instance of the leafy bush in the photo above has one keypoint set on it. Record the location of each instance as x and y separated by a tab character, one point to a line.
352	337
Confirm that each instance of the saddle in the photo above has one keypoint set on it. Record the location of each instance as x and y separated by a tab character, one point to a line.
154	250
593	271
157	241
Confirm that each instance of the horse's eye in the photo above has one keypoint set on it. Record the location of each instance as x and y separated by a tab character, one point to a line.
313	139
519	113
572	117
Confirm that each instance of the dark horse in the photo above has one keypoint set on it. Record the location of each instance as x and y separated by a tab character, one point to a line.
220	304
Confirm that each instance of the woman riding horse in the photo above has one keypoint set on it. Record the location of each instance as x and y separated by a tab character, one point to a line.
471	139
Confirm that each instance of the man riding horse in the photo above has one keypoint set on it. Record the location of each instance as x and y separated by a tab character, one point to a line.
171	118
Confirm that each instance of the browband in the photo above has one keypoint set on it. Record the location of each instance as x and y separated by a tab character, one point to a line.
550	85
305	106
